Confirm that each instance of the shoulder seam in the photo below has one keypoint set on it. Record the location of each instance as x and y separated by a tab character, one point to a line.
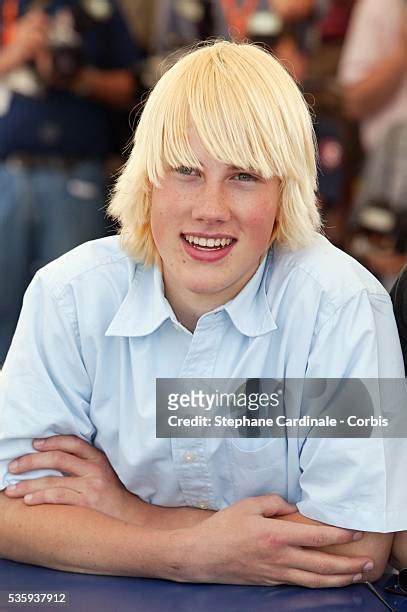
358	292
362	286
58	288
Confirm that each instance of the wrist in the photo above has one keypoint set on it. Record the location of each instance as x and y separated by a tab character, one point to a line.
178	555
130	509
193	516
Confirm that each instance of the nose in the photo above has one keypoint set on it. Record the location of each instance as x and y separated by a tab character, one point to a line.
211	205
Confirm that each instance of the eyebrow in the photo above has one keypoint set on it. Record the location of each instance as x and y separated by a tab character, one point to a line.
229	167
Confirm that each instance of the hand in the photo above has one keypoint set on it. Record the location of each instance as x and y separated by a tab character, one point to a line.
89	479
244	545
30	37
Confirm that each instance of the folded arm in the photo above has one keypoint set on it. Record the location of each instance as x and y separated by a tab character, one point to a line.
243	544
90	481
48	536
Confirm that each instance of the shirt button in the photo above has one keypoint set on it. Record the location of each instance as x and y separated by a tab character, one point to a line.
189	456
203	505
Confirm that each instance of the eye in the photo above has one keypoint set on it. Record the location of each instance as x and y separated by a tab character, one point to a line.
245	177
187	171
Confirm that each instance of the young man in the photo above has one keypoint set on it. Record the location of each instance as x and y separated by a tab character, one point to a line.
220	273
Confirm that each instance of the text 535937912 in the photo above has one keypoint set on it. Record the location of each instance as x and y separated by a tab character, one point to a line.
20	598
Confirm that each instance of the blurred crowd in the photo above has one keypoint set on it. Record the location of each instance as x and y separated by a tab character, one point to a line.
73	72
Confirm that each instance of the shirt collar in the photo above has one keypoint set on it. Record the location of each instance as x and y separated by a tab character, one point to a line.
145	308
249	310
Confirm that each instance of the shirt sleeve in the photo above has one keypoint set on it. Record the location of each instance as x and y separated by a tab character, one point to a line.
44	388
356	483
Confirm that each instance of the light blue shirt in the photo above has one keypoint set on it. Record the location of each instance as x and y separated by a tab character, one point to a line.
96	331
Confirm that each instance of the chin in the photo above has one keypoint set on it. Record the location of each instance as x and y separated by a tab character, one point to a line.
205	286
201	288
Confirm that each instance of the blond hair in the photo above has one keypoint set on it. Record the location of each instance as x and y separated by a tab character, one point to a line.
248	112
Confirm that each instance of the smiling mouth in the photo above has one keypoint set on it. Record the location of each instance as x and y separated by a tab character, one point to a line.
207	244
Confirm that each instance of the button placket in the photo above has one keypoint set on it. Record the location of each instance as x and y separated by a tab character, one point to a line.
189	453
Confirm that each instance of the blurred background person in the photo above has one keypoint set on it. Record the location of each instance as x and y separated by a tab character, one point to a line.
66	68
168	26
183	21
373	75
300	61
373	68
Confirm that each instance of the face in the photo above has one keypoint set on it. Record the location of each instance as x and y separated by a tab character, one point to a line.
211	228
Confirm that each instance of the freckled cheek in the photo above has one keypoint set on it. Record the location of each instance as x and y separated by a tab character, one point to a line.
159	213
165	229
170	206
259	224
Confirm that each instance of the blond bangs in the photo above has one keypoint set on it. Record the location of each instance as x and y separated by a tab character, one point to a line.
248	113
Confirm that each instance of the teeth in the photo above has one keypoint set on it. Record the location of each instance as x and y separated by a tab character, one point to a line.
207	242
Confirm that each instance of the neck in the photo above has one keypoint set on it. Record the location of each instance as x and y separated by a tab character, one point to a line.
189	308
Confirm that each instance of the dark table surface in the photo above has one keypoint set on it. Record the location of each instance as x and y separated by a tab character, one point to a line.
111	594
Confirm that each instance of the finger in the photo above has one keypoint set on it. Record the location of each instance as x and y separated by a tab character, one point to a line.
325	563
38	484
54	460
54	496
318	581
317	536
271	505
70	444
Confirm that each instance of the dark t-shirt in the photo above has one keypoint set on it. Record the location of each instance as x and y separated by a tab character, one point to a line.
399	297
